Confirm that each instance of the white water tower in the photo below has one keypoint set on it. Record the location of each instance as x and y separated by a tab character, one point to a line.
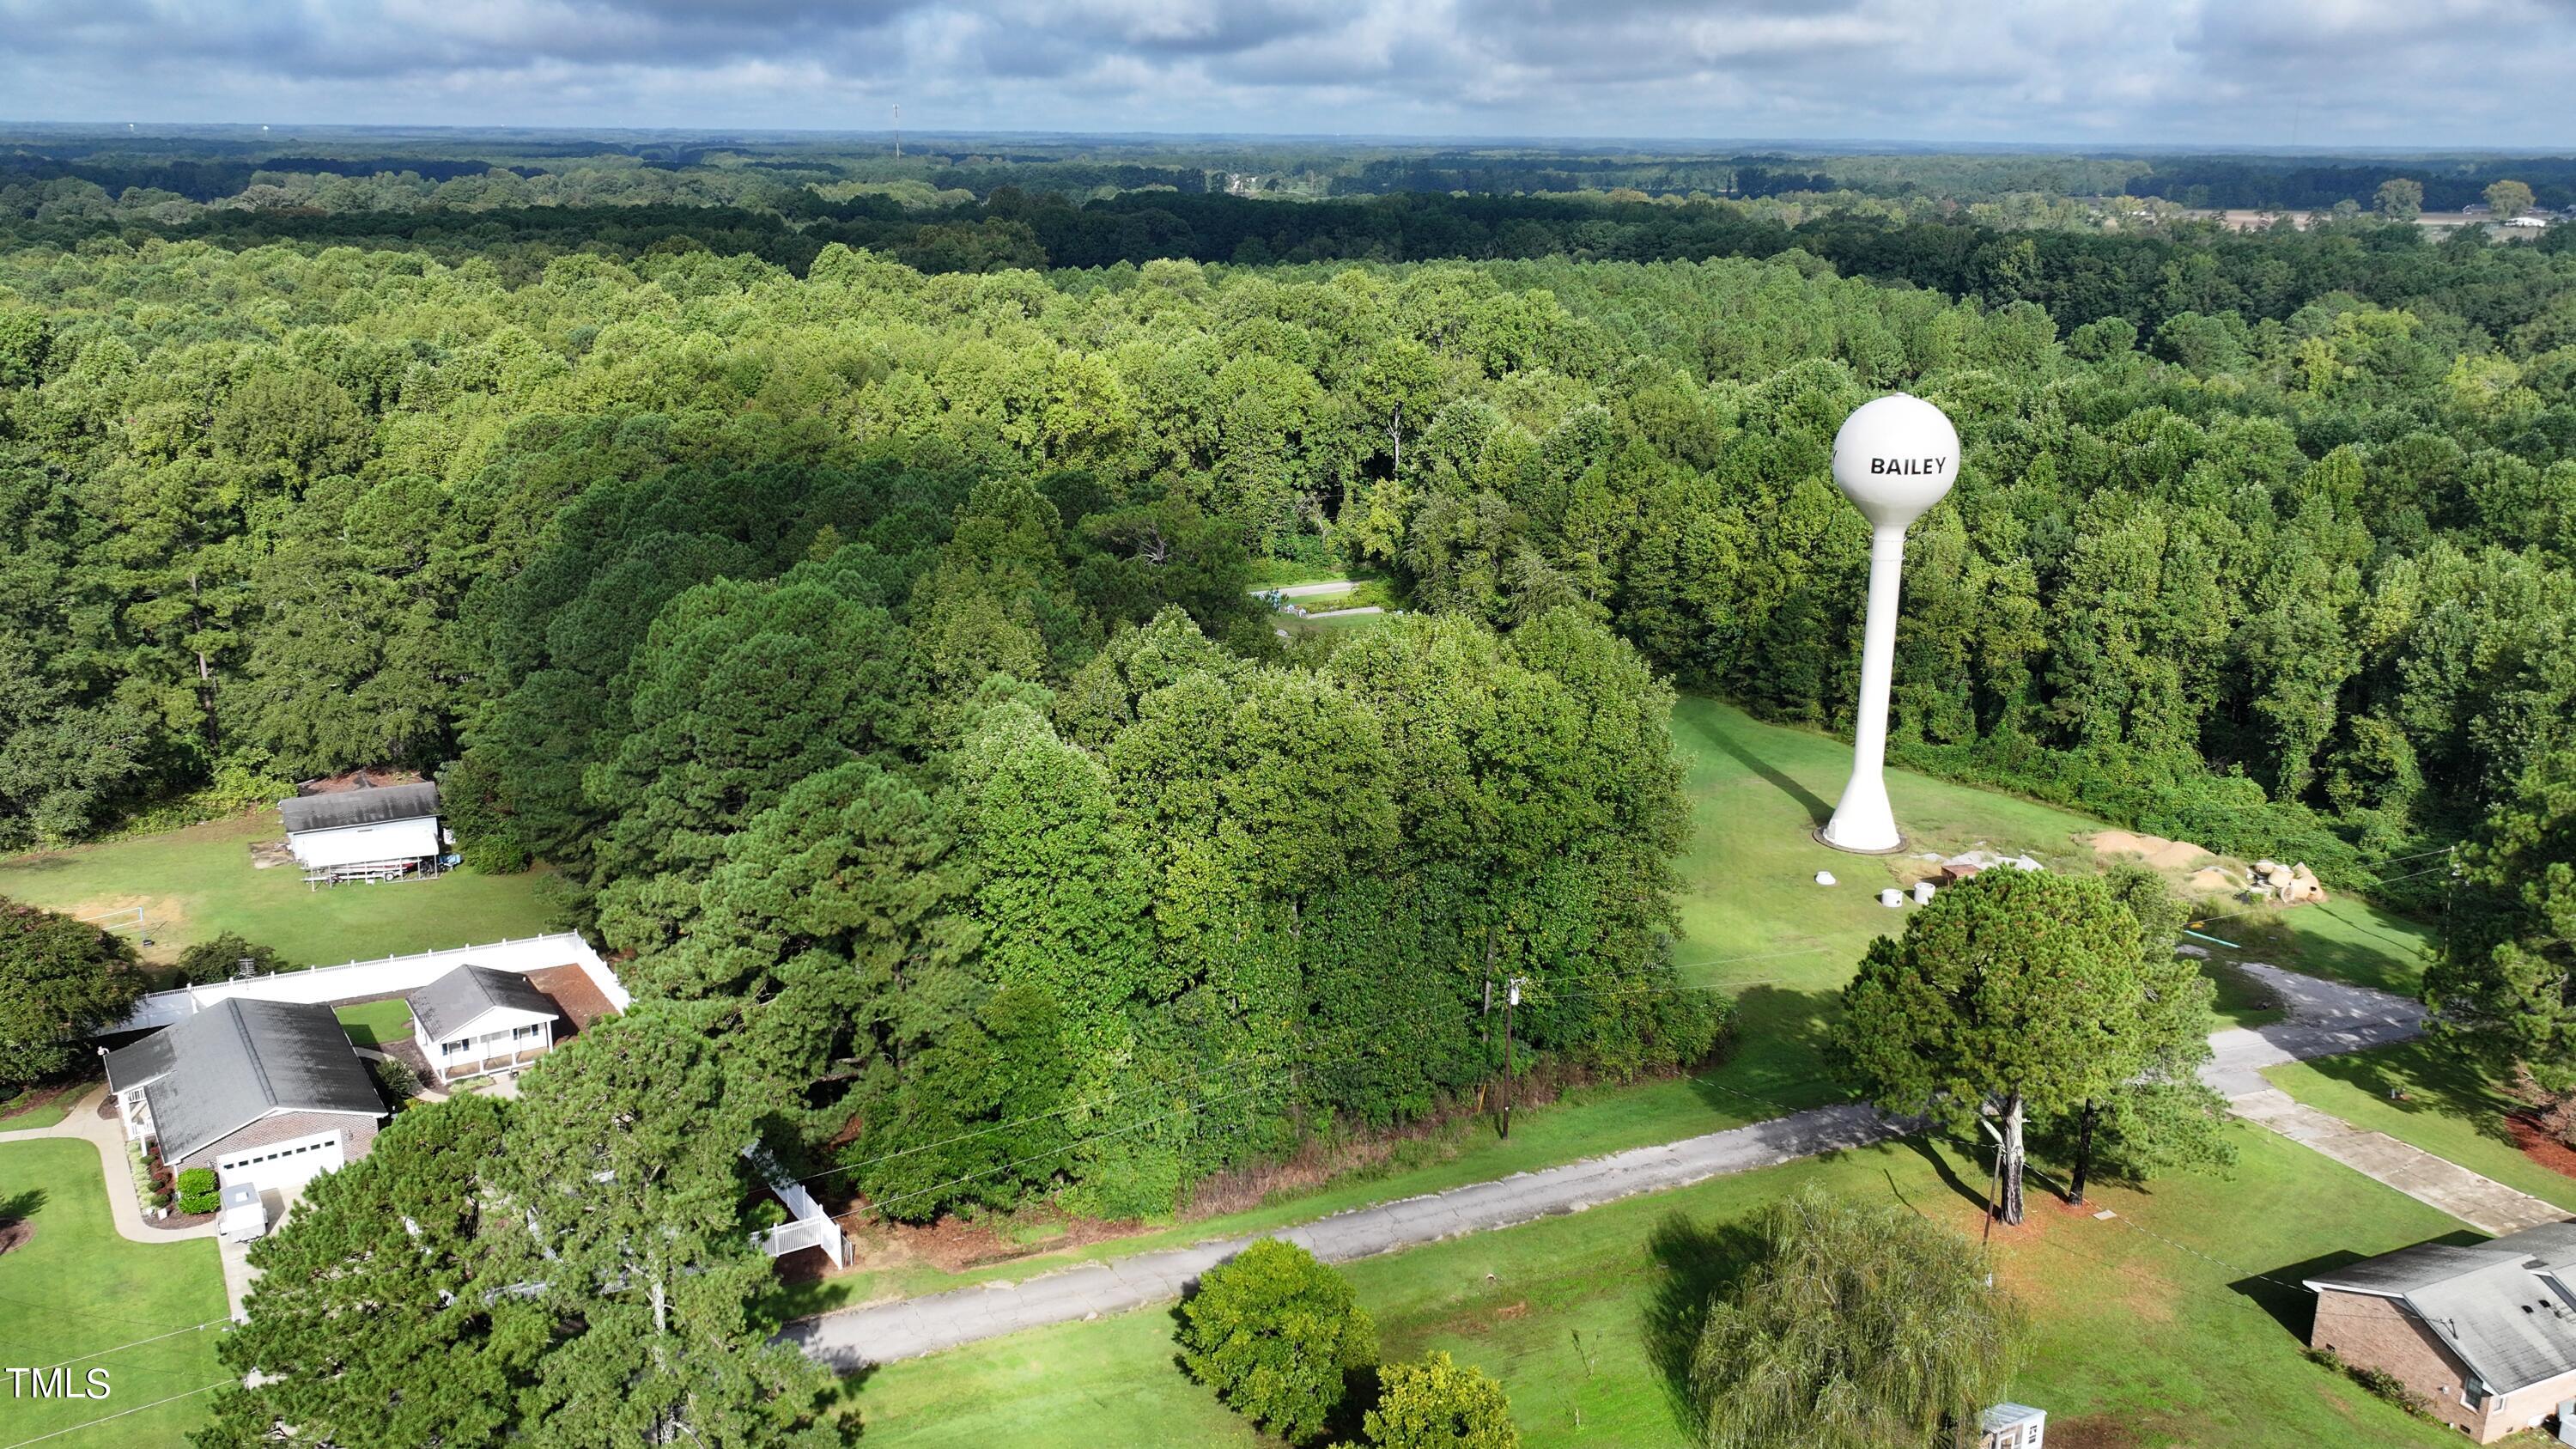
1895	458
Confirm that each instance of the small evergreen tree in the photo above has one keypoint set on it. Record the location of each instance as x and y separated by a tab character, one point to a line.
1274	1332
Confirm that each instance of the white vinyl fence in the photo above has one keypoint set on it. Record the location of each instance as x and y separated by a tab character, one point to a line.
808	1226
382	978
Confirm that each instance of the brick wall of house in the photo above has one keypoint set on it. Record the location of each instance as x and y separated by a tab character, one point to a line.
2373	1332
356	1135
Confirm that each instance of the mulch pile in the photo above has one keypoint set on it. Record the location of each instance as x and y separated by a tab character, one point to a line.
2538	1145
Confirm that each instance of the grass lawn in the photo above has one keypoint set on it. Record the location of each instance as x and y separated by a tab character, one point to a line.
31	1118
1587	1319
1754	922
377	1022
76	1288
2451	1109
197	883
2341	939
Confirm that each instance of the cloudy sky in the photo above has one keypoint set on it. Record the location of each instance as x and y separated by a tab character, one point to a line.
2265	72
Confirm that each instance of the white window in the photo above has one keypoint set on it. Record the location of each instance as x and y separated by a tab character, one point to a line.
525	1033
456	1048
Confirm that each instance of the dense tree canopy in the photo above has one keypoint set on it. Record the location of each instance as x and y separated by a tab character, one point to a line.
1855	1328
60	981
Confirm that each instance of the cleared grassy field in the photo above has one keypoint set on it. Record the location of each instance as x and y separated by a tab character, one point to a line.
198	883
76	1289
1756	923
1587	1320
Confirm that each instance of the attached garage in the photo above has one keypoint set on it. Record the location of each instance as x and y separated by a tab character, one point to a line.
283	1166
266	1093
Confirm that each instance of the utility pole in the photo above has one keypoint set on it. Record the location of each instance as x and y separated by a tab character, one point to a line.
1511	998
898	131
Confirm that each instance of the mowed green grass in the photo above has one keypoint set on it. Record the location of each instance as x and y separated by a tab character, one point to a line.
76	1289
2450	1107
198	883
1587	1320
1755	924
25	1118
377	1022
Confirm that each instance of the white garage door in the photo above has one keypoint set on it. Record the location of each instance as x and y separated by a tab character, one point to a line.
281	1165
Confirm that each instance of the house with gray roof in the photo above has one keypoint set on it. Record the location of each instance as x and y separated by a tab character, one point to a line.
263	1092
2485	1332
377	832
475	1021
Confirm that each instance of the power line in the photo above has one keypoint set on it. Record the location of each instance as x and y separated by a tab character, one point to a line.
137	1409
138	1343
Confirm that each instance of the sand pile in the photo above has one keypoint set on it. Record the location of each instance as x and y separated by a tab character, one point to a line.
2155	850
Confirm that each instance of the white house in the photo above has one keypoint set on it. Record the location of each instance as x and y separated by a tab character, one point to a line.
2528	218
264	1092
475	1020
376	833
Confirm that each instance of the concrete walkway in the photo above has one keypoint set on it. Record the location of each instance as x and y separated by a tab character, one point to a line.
2481	1202
82	1122
2324	1018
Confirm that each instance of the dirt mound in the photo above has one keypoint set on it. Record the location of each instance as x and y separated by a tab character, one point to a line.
2212	880
2178	855
2121	842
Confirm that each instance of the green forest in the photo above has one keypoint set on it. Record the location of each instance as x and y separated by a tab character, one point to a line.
845	584
875	650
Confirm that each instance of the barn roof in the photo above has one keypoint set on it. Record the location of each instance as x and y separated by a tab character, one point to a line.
373	806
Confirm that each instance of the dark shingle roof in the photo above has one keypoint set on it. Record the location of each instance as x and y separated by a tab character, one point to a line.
236	1061
2506	1307
137	1062
359	807
454	1001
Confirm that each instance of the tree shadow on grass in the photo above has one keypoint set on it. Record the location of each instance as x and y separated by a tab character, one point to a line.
1794	1028
1693	1263
18	1207
2431	1084
1818	812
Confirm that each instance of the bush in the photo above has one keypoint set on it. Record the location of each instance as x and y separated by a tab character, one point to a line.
2377	1382
198	1202
1435	1404
197	1180
1275	1332
395	1079
220	958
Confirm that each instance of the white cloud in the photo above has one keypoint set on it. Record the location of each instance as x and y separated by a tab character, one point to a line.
2325	72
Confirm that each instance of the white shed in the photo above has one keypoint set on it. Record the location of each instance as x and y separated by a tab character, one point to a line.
364	834
241	1216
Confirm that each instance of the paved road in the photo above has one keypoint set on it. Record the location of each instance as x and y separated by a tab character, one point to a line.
1306	591
906	1328
2325	1018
